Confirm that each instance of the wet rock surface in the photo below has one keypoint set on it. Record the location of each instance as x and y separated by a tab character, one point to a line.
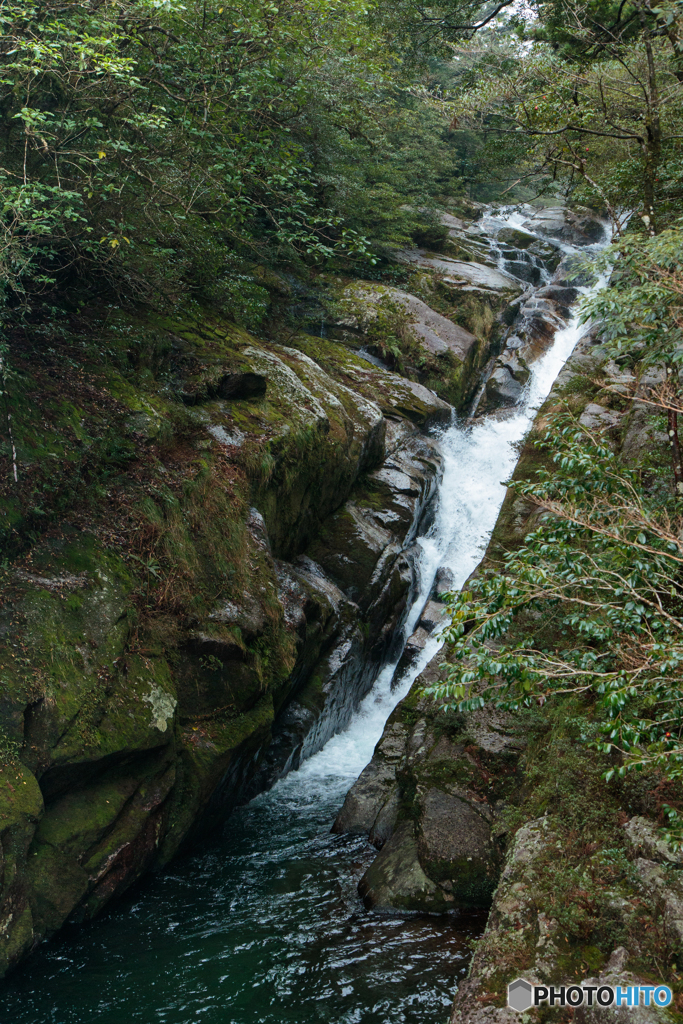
579	227
427	796
362	565
551	280
437	334
133	750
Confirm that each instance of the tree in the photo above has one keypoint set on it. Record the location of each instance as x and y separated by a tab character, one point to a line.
176	135
597	91
641	313
590	605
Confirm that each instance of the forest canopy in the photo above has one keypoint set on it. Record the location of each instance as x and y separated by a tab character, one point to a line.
160	153
156	145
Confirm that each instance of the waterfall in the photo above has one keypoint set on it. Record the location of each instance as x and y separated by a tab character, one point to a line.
478	459
266	925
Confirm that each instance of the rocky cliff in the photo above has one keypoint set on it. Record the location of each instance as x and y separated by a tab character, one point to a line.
511	811
209	555
216	623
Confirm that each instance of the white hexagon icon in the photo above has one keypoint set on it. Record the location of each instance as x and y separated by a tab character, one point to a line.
519	995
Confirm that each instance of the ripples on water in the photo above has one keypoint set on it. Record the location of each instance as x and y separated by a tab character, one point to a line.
267	927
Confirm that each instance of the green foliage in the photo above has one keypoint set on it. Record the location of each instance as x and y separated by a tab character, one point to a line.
641	312
594	93
157	146
148	139
590	604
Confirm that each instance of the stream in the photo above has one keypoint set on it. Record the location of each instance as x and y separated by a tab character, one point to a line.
265	926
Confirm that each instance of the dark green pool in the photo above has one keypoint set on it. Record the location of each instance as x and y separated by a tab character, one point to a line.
264	926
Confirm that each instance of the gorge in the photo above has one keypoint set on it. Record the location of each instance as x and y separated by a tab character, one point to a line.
341	537
267	925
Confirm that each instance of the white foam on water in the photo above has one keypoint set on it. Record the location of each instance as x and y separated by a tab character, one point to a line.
478	459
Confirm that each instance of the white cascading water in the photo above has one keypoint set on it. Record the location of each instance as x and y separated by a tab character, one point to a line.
265	926
478	460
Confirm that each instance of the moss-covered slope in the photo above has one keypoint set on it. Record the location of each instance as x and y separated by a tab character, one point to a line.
162	599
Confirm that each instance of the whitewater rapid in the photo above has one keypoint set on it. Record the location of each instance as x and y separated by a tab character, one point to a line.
478	460
265	926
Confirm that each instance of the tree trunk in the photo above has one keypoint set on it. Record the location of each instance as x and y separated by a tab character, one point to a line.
652	144
672	415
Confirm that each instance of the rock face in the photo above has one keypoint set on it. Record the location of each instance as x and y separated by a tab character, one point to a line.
468	276
225	566
428	802
536	314
157	676
362	561
581	885
436	333
579	227
523	938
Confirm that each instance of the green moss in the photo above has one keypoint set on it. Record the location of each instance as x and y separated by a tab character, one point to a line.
312	696
126	531
57	884
77	820
21	802
18	939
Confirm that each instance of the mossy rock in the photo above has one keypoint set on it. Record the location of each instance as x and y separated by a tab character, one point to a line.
396	881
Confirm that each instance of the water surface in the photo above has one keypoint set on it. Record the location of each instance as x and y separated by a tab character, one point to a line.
265	926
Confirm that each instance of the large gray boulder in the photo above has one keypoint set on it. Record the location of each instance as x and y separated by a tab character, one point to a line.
579	227
396	881
436	333
373	788
467	276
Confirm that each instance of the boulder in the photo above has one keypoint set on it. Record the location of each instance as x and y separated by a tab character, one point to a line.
464	275
516	366
433	615
579	227
437	335
396	881
443	581
415	645
456	847
535	329
372	789
385	823
523	270
517	238
418	403
503	390
564	295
